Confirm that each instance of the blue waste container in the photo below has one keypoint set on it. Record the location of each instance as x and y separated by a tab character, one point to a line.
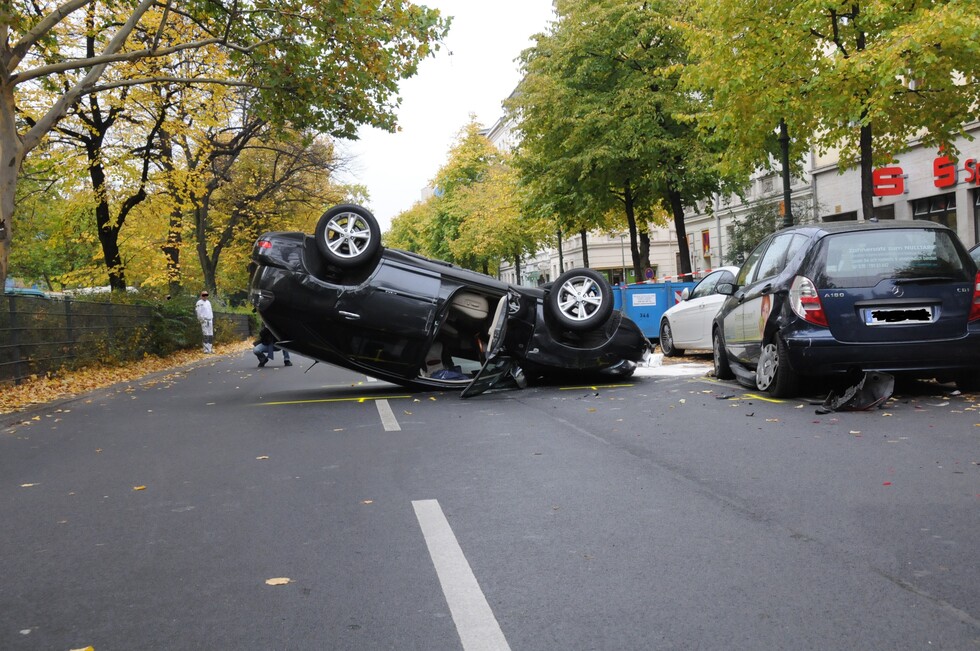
645	303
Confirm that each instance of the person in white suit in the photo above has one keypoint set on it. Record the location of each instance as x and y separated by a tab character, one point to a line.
206	316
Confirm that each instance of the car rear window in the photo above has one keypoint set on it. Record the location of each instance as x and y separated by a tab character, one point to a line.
863	258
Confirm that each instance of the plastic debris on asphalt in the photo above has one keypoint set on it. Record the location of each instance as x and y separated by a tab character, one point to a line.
871	391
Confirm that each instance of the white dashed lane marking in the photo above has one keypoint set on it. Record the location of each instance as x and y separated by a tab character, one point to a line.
387	416
475	622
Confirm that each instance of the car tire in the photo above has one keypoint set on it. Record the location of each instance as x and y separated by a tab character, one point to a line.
348	236
667	340
723	370
773	373
580	300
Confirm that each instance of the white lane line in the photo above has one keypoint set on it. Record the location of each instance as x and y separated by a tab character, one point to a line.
477	627
387	416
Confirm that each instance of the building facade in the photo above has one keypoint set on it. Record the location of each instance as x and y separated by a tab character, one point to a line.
921	184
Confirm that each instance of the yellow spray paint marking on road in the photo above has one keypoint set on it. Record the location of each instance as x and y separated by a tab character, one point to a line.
755	396
597	387
359	399
744	396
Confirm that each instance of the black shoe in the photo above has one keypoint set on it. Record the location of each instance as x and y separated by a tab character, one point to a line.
287	363
262	360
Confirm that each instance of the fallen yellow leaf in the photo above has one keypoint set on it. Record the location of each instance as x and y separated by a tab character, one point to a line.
278	581
139	488
27	485
262	458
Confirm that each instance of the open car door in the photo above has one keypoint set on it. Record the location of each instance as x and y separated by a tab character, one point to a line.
496	371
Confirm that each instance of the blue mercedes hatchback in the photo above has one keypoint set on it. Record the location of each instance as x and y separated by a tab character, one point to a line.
825	300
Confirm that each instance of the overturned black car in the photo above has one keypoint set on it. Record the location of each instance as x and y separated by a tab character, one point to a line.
340	297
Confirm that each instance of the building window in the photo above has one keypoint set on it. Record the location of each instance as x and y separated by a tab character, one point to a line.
976	215
884	212
940	209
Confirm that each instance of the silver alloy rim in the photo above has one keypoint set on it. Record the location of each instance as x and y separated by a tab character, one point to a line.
666	338
716	349
579	298
348	235
765	373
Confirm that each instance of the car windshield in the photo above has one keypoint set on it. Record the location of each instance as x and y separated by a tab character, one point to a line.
863	258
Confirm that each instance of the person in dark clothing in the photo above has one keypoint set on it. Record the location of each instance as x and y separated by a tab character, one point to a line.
265	348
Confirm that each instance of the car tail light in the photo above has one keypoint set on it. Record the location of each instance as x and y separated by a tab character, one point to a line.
975	306
263	244
805	301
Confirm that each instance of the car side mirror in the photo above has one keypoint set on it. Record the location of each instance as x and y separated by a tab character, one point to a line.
727	289
686	294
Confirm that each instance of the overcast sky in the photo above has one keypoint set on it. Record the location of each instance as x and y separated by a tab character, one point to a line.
473	72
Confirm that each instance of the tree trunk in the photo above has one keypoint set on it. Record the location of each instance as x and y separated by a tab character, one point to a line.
561	254
865	144
677	210
201	237
644	253
867	185
175	237
630	205
11	157
585	247
171	251
108	228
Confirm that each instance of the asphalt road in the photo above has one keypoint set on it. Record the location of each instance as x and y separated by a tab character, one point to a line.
223	506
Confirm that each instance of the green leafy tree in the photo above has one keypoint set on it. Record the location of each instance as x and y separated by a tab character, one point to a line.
410	229
763	218
605	123
493	227
118	164
468	164
266	184
317	64
861	77
58	220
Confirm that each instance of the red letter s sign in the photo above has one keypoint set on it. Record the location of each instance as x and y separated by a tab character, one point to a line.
945	172
888	181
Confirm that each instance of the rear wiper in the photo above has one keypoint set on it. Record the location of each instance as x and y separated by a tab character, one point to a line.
925	279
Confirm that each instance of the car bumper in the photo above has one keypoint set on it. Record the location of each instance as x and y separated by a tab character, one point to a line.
818	353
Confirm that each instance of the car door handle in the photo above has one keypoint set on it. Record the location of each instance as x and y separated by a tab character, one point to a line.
350	316
766	289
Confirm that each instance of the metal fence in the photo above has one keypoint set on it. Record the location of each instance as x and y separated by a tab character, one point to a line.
39	335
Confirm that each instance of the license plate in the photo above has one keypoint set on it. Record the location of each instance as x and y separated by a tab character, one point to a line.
900	315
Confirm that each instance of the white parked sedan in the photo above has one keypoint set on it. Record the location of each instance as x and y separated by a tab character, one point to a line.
687	325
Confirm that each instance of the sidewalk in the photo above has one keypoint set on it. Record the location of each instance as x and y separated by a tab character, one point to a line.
684	367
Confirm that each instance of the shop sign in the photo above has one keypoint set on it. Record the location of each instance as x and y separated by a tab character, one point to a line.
891	181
